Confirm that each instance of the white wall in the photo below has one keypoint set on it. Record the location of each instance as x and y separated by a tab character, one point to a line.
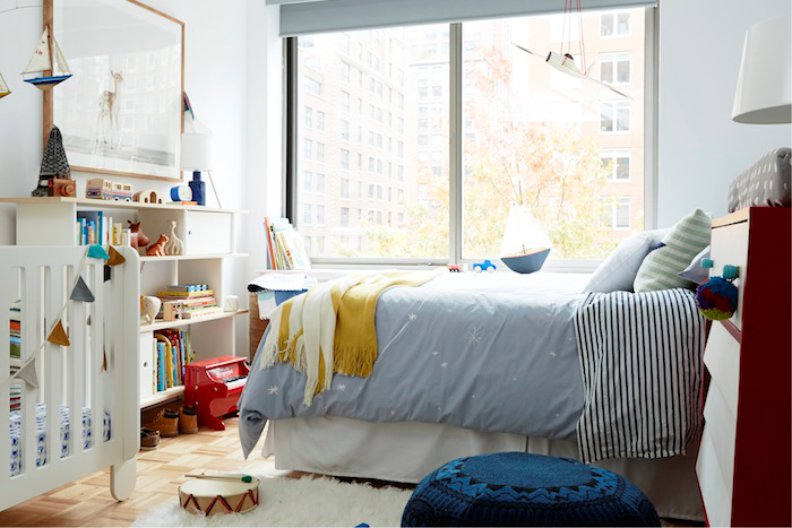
700	149
215	79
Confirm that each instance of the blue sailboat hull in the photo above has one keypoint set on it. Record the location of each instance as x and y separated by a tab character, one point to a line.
48	81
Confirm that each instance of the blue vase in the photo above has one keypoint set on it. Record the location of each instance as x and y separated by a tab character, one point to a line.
198	189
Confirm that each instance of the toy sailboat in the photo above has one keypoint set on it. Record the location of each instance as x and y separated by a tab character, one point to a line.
525	243
48	63
4	90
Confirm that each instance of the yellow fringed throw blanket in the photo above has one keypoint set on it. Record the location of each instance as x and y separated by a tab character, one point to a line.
331	329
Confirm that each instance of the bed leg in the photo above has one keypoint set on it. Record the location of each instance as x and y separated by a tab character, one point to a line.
122	479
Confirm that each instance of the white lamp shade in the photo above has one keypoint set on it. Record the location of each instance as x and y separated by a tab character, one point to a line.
196	151
764	87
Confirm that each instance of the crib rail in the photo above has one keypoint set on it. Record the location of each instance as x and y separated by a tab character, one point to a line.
98	369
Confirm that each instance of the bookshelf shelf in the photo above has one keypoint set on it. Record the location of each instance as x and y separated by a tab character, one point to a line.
193	257
162	397
163	325
109	204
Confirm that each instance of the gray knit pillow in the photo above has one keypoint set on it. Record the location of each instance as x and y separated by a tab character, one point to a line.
660	269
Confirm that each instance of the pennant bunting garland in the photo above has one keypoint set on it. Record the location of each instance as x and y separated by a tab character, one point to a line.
58	335
81	292
115	257
28	373
98	252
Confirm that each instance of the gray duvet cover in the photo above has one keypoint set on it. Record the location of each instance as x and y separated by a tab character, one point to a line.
490	352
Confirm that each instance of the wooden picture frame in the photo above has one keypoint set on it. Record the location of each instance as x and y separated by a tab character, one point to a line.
123	142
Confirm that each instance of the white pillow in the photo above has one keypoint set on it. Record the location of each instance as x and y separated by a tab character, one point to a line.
617	272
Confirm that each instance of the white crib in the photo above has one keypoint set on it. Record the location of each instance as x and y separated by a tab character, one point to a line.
71	378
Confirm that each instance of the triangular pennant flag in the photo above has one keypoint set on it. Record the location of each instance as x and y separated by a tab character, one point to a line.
29	374
58	335
81	292
98	252
116	258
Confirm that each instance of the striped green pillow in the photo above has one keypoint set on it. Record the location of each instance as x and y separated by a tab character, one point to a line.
660	268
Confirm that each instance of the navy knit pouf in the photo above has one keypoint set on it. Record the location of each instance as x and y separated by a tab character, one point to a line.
518	489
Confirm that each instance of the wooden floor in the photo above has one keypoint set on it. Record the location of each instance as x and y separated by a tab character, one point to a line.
87	502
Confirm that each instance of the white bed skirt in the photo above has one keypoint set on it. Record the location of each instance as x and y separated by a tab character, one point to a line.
408	451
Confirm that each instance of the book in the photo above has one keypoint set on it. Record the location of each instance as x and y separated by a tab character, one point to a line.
285	246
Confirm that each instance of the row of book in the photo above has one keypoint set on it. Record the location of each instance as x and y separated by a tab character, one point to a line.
194	300
15	338
285	246
170	352
93	227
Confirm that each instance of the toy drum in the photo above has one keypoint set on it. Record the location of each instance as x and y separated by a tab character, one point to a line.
216	496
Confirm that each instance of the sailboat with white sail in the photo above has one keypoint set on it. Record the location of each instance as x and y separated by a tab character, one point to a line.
4	89
48	64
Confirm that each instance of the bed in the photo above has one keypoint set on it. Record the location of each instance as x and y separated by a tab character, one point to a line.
469	364
70	409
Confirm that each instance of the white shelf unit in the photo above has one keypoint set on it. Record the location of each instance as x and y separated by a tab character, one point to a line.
208	235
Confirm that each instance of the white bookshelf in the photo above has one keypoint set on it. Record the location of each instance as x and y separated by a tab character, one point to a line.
208	235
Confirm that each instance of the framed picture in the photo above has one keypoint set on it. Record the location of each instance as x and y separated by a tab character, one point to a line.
121	112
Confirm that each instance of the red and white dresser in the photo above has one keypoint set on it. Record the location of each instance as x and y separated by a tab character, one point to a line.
744	466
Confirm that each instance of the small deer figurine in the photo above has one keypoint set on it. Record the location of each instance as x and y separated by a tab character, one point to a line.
137	238
157	249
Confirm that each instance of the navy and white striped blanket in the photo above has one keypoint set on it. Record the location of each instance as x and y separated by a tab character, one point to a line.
641	357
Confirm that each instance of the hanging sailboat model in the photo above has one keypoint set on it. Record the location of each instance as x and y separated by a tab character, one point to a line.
4	90
48	63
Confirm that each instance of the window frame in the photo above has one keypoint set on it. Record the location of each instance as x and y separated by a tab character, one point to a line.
456	145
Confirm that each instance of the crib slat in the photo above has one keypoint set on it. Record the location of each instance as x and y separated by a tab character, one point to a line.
7	274
78	349
31	341
53	361
96	374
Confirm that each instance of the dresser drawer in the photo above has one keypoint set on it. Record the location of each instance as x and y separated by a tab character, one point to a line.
722	358
721	426
730	246
716	496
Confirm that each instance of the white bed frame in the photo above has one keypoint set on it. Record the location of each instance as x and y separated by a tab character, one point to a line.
73	376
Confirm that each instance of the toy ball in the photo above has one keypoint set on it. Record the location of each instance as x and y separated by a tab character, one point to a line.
717	299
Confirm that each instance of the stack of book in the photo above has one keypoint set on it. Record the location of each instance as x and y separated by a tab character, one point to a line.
197	299
171	351
285	246
93	227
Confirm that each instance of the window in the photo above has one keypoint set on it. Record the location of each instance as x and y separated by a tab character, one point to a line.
615	24
616	165
615	213
615	117
615	68
307	181
553	145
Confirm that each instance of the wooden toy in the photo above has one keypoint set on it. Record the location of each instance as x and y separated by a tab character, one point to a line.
213	386
64	187
149	197
122	192
137	238
172	310
149	308
99	189
218	494
454	268
157	249
486	265
174	245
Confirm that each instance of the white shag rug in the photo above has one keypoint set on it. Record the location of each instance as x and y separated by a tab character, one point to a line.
299	502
